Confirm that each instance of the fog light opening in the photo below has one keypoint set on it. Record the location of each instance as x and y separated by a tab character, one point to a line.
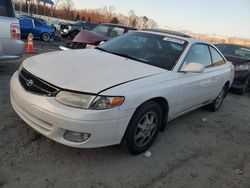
73	136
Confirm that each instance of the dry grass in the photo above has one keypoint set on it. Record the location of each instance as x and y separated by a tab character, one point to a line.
217	40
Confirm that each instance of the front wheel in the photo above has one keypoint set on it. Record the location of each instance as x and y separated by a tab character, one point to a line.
143	127
216	104
45	37
73	34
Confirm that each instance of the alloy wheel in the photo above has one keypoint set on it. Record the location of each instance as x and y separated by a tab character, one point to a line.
146	129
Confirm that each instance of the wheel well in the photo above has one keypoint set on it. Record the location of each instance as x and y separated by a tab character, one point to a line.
74	31
227	84
165	108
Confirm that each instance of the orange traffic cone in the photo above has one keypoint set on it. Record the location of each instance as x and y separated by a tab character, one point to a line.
30	45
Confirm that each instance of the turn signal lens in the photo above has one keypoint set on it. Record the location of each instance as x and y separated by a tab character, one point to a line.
103	102
117	101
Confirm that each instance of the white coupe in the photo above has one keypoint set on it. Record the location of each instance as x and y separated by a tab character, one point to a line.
127	89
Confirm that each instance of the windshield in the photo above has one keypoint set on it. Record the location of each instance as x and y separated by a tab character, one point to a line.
238	51
152	49
109	30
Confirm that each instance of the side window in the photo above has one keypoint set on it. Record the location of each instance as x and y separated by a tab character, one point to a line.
216	57
199	53
116	31
6	8
25	23
37	23
102	29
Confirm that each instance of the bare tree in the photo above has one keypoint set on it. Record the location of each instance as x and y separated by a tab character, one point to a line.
56	4
109	12
68	5
151	24
132	18
114	20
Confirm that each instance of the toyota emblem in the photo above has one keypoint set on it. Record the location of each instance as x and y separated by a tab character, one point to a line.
29	83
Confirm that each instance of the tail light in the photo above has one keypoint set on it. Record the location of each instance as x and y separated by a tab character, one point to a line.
15	31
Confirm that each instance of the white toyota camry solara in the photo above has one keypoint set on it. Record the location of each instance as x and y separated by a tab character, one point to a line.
123	91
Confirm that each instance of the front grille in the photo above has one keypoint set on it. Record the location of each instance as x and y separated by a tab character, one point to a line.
35	85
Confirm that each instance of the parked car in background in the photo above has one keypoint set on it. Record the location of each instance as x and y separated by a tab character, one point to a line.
240	57
57	25
35	18
71	30
40	29
11	47
126	89
102	32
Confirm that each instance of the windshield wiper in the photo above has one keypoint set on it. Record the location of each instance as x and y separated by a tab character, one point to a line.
128	57
101	49
122	55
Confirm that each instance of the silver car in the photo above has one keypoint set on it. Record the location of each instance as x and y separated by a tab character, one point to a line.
11	47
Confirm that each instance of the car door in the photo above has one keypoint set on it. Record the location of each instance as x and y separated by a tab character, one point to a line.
38	29
196	88
220	70
26	26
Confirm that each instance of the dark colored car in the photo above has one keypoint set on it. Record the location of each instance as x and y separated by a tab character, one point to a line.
71	30
38	27
102	32
11	47
240	57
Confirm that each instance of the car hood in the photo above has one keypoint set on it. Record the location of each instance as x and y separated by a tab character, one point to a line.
87	70
236	60
89	37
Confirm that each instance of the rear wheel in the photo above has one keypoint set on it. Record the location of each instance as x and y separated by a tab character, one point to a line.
45	37
216	104
143	127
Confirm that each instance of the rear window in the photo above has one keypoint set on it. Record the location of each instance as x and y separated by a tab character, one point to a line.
6	8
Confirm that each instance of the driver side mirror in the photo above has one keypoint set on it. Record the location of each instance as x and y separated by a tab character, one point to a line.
193	67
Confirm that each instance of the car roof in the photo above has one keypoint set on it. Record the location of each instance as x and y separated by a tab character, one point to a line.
169	32
175	34
31	17
120	25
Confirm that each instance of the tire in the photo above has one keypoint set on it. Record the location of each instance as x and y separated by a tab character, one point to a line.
216	104
243	90
45	37
73	34
81	46
143	127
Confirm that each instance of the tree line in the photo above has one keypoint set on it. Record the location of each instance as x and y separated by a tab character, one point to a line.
64	9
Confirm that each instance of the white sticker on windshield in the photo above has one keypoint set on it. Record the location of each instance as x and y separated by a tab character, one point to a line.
170	39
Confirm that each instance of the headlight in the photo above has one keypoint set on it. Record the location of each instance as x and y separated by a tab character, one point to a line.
241	67
86	101
104	102
77	100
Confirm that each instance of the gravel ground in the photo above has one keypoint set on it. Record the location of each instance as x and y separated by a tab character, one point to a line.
191	153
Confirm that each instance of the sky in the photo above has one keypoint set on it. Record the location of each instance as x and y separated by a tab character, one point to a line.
221	17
